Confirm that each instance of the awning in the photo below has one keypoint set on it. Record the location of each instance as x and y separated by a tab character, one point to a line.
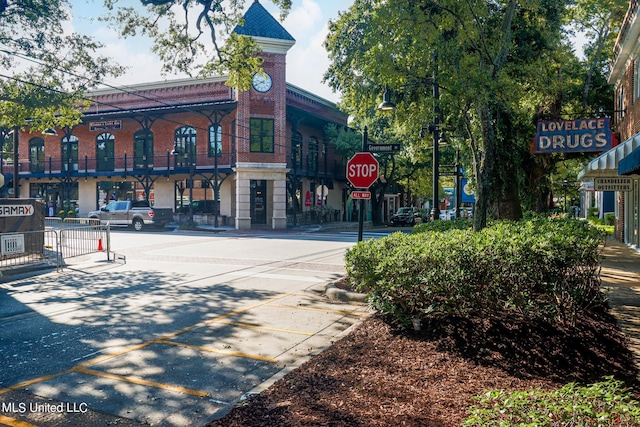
606	164
631	164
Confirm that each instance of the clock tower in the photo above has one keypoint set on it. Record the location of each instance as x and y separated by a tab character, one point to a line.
261	146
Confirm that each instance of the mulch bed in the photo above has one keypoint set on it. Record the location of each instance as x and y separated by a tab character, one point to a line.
382	375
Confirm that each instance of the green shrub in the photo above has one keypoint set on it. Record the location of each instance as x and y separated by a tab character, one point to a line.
542	267
605	403
609	219
440	226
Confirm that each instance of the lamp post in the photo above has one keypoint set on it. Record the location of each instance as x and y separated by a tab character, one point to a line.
565	184
16	164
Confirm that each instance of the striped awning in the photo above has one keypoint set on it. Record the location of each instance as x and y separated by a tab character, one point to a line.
606	164
630	165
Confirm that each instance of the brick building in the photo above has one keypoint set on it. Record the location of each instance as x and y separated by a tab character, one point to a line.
254	157
623	161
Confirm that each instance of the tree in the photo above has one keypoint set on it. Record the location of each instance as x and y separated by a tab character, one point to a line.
205	45
492	61
348	141
45	71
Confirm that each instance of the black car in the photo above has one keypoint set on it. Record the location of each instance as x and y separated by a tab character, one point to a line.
404	216
199	207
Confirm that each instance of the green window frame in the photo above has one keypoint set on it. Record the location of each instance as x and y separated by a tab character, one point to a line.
69	146
36	155
143	149
312	156
105	152
262	136
185	145
215	140
296	151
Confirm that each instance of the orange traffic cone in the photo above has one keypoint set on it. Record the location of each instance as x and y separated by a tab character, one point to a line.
100	248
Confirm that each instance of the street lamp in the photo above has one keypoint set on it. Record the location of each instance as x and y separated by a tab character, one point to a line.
565	184
16	164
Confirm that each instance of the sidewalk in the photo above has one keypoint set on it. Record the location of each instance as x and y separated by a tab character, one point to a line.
621	276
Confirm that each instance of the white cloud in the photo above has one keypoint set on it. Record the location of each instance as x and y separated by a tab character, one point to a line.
307	61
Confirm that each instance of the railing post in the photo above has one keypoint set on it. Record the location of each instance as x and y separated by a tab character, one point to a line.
108	241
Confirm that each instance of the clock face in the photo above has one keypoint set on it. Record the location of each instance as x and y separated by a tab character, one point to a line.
262	82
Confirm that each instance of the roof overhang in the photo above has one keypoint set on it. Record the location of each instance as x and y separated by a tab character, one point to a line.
625	44
606	164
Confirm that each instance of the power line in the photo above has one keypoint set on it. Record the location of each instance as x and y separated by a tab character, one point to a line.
126	90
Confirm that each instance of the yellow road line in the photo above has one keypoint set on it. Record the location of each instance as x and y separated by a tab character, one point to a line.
14	423
82	366
177	333
213	350
140	381
325	310
116	354
31	382
267	328
218	318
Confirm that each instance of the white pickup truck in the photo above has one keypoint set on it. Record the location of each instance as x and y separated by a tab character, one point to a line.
137	214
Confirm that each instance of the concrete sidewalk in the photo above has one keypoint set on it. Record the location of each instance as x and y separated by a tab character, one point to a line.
621	276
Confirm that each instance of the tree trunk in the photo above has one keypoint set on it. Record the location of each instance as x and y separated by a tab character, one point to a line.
484	168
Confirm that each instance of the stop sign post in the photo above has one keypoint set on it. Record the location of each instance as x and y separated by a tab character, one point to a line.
362	170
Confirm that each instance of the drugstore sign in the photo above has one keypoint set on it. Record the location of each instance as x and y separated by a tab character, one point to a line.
580	135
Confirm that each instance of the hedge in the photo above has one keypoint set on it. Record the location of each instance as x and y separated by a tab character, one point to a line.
540	267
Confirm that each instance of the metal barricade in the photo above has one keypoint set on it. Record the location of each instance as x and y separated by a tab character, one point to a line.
29	248
82	240
50	247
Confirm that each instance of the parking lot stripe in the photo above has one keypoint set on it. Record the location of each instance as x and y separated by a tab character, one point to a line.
82	366
213	350
140	381
13	422
31	382
267	328
324	310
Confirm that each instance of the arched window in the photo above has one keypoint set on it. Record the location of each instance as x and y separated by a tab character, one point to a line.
185	146
36	155
143	149
296	151
215	140
70	153
312	157
105	155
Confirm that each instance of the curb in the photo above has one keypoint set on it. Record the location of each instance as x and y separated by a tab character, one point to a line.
335	293
332	292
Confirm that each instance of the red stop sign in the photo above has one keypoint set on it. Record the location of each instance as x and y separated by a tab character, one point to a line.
362	170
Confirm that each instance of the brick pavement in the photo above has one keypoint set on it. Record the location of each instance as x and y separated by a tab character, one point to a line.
621	276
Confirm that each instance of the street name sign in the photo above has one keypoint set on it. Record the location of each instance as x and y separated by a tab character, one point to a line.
383	148
362	170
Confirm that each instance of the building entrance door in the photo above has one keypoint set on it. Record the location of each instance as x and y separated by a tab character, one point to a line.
258	201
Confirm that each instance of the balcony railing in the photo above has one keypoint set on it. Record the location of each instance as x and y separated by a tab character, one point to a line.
126	165
165	164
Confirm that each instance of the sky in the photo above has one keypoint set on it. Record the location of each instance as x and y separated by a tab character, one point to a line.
307	60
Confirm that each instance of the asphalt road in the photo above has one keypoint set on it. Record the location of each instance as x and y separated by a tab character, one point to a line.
173	334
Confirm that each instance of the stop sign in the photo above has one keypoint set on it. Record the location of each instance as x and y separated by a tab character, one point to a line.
362	170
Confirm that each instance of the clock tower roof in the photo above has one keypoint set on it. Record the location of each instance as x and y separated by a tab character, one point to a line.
260	24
